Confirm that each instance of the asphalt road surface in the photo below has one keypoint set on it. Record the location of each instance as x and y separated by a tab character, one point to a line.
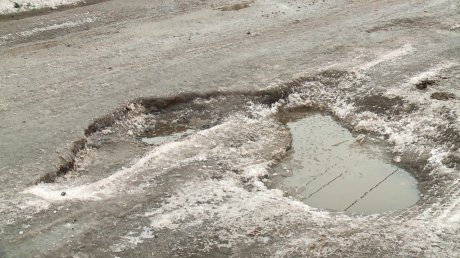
386	70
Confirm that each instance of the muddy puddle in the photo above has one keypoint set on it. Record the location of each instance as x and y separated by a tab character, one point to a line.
329	168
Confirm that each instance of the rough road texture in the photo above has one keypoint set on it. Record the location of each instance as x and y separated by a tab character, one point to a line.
388	69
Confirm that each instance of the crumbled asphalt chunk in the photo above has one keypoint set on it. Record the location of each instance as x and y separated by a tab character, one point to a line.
423	85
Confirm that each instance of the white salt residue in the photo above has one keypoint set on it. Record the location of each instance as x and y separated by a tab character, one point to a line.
431	73
450	214
296	100
238	215
16	6
255	171
211	143
404	50
6	38
132	239
263	111
226	204
165	221
406	89
108	186
403	134
343	109
226	201
28	33
454	218
3	106
424	122
158	140
370	122
63	25
137	122
437	156
293	244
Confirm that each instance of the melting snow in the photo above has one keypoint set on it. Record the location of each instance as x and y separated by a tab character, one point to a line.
16	6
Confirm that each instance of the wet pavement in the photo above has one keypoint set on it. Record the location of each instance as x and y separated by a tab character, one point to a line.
81	88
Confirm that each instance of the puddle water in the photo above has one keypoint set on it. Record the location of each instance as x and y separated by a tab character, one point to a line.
328	168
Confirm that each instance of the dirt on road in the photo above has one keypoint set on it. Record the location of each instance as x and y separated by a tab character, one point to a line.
152	128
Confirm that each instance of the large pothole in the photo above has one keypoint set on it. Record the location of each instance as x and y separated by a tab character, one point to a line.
326	168
329	168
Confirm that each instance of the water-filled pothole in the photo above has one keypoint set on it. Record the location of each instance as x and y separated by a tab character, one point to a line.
328	168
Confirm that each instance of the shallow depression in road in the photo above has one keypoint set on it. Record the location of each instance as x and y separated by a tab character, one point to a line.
329	168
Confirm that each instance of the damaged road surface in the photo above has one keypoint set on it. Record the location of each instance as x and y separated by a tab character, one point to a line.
231	129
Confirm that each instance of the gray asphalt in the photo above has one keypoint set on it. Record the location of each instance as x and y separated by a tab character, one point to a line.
59	70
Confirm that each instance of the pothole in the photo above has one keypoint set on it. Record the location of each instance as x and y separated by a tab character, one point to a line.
328	168
118	141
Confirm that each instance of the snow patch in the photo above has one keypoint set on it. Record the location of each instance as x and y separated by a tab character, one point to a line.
28	33
210	144
17	6
430	73
402	51
110	185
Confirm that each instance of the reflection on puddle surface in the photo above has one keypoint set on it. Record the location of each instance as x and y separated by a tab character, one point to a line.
329	169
